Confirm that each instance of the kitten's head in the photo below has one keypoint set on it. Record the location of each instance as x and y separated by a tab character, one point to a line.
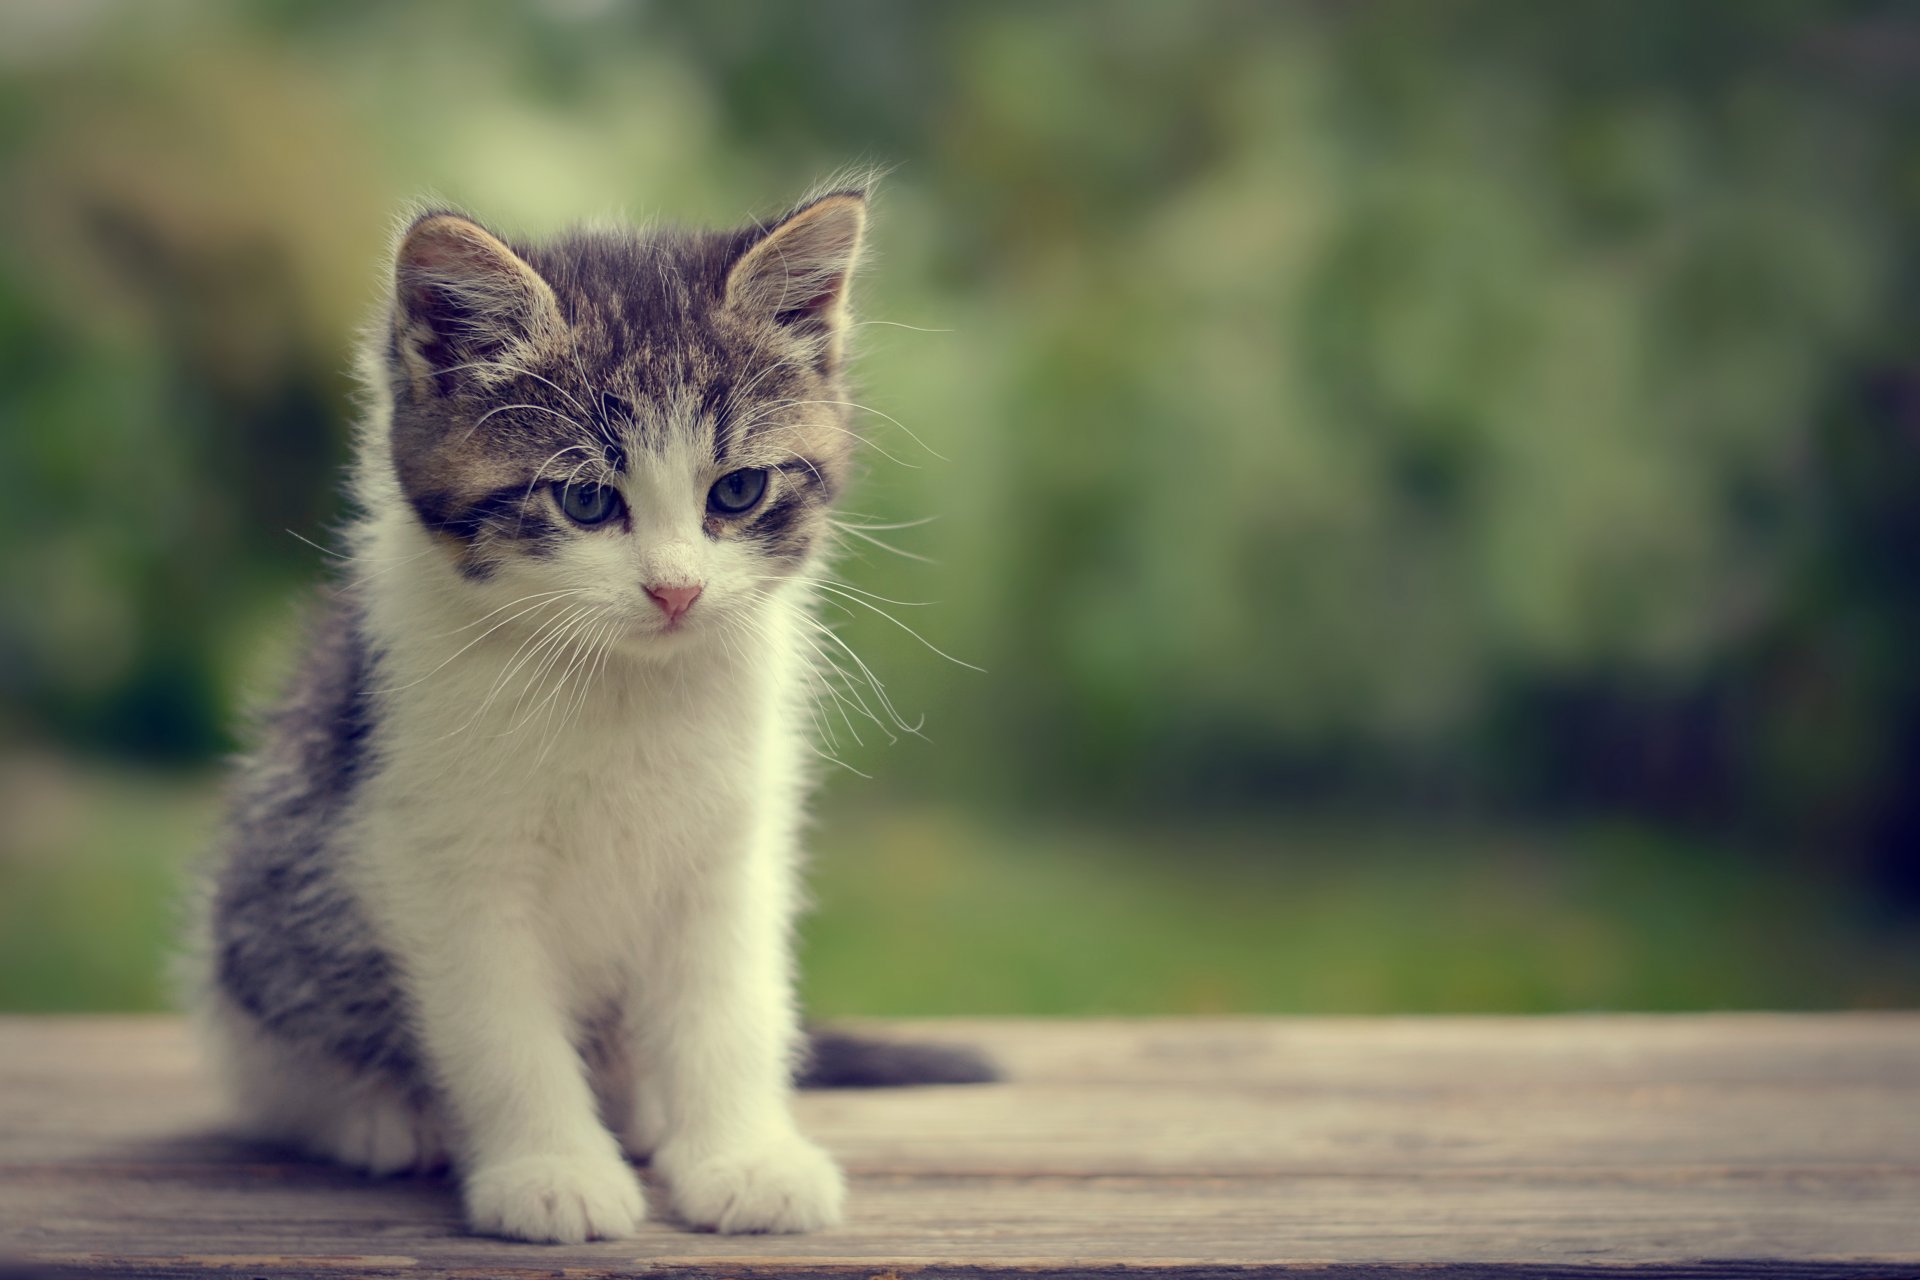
652	423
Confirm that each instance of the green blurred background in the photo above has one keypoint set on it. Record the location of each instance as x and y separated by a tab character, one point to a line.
1434	488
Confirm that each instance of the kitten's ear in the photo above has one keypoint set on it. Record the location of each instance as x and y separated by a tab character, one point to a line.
797	272
462	298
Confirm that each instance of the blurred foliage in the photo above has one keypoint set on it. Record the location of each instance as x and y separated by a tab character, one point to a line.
1490	409
926	910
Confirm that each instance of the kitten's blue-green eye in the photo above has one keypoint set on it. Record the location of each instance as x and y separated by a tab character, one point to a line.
587	503
737	491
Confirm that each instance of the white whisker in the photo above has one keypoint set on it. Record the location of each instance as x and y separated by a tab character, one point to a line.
884	546
895	324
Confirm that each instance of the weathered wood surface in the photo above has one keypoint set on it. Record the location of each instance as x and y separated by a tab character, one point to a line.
1679	1146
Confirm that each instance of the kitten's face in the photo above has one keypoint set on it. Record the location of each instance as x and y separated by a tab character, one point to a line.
635	438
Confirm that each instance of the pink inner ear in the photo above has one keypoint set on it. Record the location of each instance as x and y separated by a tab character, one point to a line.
820	301
463	296
453	254
442	245
809	256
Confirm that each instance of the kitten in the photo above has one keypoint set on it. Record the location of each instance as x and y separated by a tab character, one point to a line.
512	869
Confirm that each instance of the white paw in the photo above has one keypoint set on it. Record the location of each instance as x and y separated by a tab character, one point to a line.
556	1199
382	1134
785	1185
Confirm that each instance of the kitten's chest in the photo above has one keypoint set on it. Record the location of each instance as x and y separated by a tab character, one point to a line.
645	801
651	798
648	810
634	824
598	834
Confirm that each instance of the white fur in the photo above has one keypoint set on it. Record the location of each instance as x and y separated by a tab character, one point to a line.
571	823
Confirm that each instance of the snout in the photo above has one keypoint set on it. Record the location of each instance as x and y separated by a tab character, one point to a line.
674	600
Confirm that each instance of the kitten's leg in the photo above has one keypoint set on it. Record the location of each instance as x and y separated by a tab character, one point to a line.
629	1104
381	1131
536	1162
290	1094
719	1033
644	1126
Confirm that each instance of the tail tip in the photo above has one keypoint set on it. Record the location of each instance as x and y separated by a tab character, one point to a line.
841	1060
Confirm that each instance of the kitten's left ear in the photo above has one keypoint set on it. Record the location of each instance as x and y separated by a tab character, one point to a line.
796	274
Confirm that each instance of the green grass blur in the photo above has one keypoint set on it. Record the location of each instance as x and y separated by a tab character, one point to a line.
930	911
1435	489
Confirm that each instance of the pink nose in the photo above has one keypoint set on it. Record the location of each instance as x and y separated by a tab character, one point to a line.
674	601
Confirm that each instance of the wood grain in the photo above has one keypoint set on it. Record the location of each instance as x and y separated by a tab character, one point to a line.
1675	1146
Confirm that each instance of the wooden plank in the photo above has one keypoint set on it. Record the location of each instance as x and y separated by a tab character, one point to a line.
1665	1146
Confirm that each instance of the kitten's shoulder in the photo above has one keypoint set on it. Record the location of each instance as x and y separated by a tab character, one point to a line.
311	746
290	944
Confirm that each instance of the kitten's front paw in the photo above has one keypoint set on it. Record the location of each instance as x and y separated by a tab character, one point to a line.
785	1185
555	1199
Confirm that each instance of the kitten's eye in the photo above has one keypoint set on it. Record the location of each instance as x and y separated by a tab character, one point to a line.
587	503
737	491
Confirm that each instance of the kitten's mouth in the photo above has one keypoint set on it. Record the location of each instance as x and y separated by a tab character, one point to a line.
643	631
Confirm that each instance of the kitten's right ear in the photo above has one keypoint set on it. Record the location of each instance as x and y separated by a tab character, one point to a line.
796	273
463	300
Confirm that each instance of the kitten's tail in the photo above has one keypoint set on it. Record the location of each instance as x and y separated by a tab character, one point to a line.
843	1060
